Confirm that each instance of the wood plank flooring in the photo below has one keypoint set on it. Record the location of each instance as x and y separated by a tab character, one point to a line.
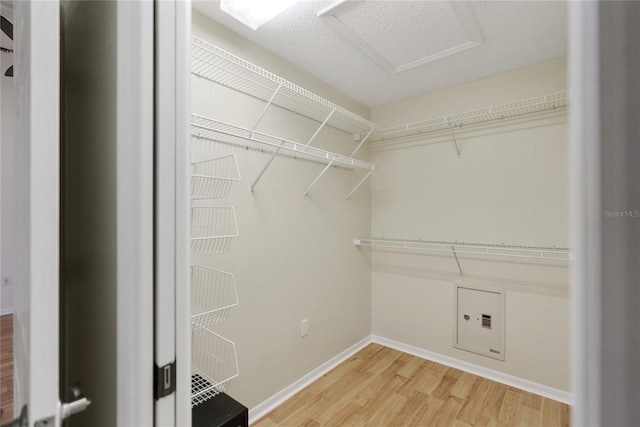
380	386
6	367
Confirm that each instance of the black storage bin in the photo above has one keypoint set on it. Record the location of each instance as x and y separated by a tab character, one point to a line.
220	411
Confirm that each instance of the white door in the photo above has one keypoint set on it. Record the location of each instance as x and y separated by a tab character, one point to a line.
37	194
124	212
145	170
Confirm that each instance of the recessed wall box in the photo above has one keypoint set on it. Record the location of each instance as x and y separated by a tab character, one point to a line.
479	321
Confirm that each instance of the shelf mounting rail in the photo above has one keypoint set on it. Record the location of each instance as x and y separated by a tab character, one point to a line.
553	101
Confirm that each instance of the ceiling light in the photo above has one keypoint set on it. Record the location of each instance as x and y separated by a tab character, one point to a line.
254	13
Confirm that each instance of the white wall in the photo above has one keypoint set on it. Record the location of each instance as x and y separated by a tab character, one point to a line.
6	188
510	186
295	257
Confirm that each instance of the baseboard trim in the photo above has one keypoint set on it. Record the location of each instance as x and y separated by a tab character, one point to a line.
6	311
268	405
522	384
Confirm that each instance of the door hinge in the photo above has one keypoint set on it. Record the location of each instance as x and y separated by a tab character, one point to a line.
164	380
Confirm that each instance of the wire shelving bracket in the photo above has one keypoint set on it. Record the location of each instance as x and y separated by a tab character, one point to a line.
455	142
275	153
306	192
266	107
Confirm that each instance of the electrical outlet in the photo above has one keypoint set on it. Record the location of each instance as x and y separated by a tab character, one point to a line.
6	281
304	328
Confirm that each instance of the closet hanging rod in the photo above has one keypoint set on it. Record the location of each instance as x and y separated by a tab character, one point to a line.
539	252
537	104
203	127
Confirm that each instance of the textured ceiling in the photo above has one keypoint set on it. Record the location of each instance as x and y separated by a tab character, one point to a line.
383	51
440	29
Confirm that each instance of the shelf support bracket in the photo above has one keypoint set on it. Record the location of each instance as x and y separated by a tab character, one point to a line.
326	168
275	153
320	127
457	261
264	110
306	193
359	184
368	173
455	142
266	166
361	142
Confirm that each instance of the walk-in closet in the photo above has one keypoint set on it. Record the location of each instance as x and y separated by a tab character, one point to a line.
319	213
431	218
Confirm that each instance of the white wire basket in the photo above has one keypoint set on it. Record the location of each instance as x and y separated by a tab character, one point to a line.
212	179
213	294
212	229
213	365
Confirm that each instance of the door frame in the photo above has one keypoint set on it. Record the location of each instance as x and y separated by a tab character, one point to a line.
153	209
605	179
135	145
37	209
172	203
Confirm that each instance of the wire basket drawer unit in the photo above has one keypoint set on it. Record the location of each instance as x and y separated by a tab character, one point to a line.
212	229
213	294
213	364
212	179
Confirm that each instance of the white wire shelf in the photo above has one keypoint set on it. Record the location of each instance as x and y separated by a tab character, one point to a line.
212	229
214	364
217	65
539	252
212	179
497	112
215	130
213	294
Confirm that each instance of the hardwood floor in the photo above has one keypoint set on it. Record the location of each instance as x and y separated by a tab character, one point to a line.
380	386
6	367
